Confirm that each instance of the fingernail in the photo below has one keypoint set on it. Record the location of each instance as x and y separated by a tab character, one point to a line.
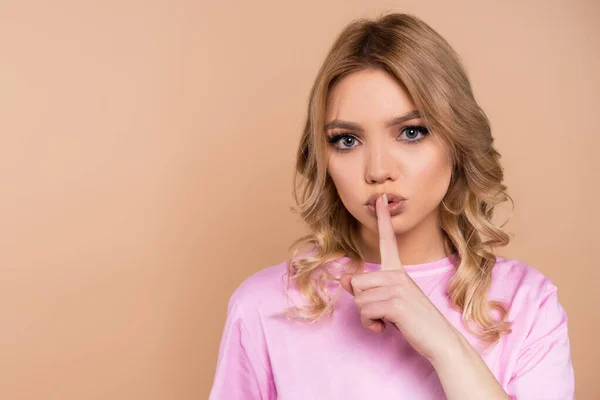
385	199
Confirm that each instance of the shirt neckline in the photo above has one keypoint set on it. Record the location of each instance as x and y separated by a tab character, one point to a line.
417	270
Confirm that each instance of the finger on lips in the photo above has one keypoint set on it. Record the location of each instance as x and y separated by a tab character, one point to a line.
371	288
388	248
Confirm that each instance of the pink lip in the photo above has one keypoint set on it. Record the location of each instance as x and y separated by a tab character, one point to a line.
392	198
394	208
396	203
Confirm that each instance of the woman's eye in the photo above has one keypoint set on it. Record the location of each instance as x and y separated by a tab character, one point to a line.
412	133
346	142
342	142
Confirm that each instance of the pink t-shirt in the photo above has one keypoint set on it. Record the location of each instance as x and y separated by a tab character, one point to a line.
267	357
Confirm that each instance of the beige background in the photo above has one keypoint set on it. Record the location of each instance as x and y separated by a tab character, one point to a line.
146	158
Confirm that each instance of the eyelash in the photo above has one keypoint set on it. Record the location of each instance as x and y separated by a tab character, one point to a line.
335	138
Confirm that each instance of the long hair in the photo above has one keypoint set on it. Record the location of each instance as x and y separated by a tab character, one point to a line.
425	65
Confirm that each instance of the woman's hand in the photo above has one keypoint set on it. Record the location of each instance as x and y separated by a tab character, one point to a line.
391	294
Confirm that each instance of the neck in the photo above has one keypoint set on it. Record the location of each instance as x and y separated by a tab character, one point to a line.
422	244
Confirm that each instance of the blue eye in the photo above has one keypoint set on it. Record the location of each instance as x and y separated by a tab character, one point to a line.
336	138
416	130
346	138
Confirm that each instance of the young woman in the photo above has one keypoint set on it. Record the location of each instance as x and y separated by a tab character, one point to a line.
396	293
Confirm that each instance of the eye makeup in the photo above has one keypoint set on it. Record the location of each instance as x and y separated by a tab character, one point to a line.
336	138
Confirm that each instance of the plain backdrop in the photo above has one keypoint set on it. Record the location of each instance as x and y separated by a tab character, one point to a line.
146	158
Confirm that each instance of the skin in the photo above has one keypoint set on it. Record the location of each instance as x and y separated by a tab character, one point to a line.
381	160
390	294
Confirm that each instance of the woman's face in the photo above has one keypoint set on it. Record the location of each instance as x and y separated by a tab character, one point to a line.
376	156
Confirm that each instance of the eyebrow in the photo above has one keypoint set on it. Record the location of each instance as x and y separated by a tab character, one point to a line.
336	123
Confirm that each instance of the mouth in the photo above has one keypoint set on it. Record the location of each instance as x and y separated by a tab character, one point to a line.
396	203
392	198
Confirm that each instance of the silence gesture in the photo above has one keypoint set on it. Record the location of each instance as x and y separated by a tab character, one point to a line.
391	294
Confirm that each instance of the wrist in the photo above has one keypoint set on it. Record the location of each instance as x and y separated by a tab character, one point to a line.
456	348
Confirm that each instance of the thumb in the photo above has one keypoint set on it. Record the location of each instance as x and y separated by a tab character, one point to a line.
345	282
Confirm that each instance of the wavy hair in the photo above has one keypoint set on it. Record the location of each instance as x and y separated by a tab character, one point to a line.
424	63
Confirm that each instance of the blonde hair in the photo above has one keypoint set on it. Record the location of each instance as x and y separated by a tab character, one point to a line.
430	70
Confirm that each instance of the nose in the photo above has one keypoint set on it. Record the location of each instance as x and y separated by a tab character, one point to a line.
380	164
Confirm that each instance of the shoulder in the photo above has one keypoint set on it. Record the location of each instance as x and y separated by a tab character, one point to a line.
516	281
537	349
264	288
518	273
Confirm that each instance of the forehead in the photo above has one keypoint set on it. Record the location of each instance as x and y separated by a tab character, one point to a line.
367	95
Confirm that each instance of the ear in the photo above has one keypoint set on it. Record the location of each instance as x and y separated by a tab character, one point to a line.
345	281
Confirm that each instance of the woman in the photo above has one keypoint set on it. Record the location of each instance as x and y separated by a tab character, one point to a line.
396	293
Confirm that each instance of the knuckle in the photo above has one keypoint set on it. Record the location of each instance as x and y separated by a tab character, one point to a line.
366	322
397	290
366	309
359	301
396	303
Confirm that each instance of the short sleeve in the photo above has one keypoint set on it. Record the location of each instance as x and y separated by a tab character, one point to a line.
240	374
543	369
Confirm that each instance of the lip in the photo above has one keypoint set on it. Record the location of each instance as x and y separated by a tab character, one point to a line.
392	198
396	203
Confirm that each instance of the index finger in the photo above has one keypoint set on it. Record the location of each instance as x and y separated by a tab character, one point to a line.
388	247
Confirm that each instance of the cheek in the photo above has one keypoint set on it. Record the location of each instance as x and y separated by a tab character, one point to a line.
431	175
344	176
